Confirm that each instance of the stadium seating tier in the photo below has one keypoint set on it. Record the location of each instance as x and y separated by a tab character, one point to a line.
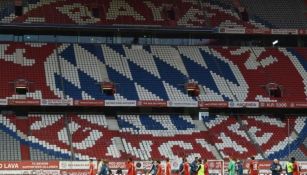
146	137
76	71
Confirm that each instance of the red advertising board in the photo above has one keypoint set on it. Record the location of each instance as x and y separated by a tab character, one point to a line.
258	31
152	103
117	165
274	104
283	104
284	31
263	31
88	103
82	167
24	102
300	104
29	165
216	167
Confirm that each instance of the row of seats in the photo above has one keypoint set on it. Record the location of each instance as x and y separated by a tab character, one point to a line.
126	12
10	148
223	13
193	13
263	136
145	137
75	71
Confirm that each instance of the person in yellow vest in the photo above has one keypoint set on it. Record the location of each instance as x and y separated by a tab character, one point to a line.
289	168
201	168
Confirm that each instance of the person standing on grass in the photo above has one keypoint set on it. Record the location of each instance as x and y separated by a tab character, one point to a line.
131	167
194	166
159	168
201	167
206	166
168	167
231	166
253	167
105	170
153	169
276	167
239	167
91	171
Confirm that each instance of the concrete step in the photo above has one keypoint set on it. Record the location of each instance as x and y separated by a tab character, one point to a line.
199	124
112	124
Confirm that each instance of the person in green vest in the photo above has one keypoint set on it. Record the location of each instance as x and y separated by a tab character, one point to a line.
231	166
289	167
201	168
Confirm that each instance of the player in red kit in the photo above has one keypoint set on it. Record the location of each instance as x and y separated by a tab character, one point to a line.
130	167
159	168
206	166
168	167
91	167
186	167
296	168
253	167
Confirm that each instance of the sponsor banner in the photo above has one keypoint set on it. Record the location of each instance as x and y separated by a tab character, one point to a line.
213	104
303	166
258	31
139	165
76	165
284	31
29	165
274	104
248	104
302	31
152	103
216	167
74	172
176	164
189	104
82	167
23	102
28	172
56	102
117	165
263	31
120	103
232	30
3	102
299	104
88	103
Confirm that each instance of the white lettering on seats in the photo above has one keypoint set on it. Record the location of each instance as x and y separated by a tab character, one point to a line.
122	8
156	11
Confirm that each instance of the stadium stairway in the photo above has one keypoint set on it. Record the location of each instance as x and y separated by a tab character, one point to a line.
200	125
112	124
250	137
68	132
22	123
